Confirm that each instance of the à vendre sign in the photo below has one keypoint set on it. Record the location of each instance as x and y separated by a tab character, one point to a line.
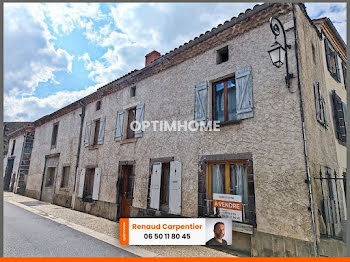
228	206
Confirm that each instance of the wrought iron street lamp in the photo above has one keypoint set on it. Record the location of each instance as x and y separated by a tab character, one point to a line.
277	52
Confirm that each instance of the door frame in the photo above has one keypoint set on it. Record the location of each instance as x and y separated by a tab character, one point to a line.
43	174
6	172
119	184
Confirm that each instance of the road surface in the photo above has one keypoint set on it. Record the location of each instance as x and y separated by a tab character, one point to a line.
29	235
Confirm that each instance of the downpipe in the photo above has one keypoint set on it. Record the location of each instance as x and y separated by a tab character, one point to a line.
82	117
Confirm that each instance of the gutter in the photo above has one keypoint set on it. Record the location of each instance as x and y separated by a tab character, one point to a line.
82	117
308	177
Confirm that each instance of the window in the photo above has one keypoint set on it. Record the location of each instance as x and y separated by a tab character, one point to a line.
96	131
133	91
313	53
225	100
222	55
332	60
88	184
13	147
50	176
164	182
131	118
229	178
65	176
321	107
339	109
132	114
165	187
98	105
343	65
54	135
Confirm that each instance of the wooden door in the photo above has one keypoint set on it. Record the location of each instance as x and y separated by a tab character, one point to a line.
8	173
126	187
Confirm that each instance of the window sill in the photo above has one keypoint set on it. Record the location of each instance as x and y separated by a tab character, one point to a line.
229	122
242	228
93	147
64	189
128	141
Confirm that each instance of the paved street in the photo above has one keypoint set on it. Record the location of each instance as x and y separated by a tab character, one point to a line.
27	234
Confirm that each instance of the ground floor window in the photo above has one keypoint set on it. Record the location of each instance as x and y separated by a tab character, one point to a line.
88	184
165	186
228	178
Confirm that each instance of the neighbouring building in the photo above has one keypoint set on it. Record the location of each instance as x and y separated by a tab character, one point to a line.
17	160
281	149
8	128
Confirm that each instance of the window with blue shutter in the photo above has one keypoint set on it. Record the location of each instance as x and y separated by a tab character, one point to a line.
339	118
332	60
233	97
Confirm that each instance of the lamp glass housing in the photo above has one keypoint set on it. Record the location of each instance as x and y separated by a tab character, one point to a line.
277	54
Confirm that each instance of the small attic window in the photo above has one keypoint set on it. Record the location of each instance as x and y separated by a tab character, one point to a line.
133	91
222	55
98	105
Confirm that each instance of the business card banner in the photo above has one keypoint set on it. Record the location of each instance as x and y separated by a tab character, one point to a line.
169	231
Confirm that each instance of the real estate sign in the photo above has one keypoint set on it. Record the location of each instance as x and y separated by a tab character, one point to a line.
229	206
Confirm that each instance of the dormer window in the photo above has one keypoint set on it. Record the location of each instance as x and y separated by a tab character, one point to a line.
133	91
98	105
222	55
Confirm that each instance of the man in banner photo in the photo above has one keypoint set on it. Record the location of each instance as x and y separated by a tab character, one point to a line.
219	233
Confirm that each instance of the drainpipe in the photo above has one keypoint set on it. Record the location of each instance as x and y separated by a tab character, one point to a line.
82	116
308	177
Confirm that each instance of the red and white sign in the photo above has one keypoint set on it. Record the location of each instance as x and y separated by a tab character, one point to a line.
229	206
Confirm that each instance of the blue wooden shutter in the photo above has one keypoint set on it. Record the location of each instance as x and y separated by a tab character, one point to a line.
87	133
96	187
344	73
175	188
101	131
337	66
244	93
317	101
81	183
201	100
328	55
139	119
155	185
119	126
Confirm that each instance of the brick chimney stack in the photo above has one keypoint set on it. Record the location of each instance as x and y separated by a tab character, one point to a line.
150	57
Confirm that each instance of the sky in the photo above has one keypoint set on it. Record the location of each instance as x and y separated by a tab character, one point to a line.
57	53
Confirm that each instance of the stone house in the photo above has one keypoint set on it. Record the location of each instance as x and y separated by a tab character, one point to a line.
8	128
17	159
273	144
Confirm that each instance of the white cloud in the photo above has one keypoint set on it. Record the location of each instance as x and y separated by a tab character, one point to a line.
31	108
336	12
66	17
29	56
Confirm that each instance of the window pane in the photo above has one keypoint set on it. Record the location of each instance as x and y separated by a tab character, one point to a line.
238	185
218	179
219	105
231	91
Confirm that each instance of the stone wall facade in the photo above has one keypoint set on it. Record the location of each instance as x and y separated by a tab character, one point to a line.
271	142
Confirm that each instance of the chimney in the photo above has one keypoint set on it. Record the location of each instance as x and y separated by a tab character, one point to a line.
150	57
